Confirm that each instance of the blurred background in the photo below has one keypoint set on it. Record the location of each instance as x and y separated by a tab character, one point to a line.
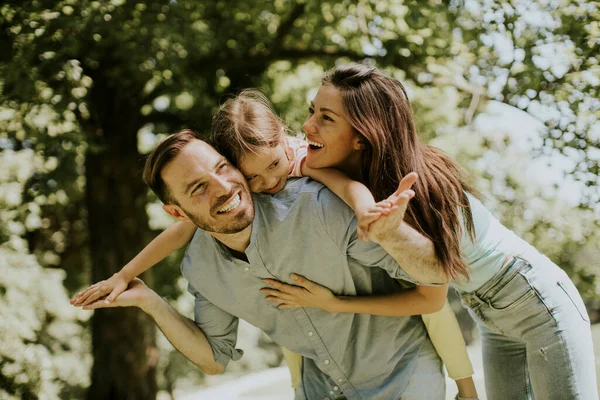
87	88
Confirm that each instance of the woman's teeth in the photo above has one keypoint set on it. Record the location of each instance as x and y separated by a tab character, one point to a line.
231	205
314	144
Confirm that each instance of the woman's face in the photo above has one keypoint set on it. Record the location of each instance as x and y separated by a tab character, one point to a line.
332	140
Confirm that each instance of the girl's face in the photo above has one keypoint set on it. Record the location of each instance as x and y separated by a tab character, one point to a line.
266	170
332	140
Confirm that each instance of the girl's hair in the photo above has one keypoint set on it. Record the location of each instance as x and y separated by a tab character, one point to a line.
245	124
378	109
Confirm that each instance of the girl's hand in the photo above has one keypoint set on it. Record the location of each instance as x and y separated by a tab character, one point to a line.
115	285
369	215
308	294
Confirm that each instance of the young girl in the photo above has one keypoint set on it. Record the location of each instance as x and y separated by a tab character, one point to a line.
247	132
534	327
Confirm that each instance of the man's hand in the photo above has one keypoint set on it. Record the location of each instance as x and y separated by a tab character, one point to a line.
113	287
388	224
136	295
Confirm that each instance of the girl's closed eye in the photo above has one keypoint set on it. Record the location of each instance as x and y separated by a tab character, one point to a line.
274	165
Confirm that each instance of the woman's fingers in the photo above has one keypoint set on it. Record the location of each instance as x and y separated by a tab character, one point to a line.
305	283
407	182
284	306
282	287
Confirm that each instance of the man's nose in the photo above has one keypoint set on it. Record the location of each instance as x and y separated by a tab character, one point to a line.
221	186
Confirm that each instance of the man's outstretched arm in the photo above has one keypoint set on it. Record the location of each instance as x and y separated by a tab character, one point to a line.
182	332
411	250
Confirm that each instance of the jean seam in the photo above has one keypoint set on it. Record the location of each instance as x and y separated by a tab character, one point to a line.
564	289
563	342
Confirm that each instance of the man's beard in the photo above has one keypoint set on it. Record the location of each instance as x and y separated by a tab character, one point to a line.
241	222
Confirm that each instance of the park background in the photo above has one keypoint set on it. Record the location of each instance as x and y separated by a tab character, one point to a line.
87	88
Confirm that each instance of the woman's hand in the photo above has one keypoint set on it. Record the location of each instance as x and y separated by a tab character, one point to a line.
115	285
307	294
367	216
386	226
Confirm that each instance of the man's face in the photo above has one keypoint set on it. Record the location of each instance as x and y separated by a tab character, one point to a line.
208	189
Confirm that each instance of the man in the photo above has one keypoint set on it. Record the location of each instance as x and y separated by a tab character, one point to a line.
244	239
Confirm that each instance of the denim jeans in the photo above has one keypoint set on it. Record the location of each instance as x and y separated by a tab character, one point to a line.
426	380
535	332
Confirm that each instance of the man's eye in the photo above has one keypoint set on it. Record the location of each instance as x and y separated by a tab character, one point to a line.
310	110
275	164
197	188
249	178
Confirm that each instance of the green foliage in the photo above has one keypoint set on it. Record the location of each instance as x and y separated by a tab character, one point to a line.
44	349
83	80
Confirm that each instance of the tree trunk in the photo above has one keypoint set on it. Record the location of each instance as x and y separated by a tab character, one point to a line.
124	348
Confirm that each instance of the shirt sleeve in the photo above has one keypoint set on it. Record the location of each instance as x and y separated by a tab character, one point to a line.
296	151
340	224
219	327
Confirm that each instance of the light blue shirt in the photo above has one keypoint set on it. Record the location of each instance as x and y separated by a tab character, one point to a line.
493	245
308	230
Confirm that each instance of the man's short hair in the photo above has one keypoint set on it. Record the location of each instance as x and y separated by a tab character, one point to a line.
163	154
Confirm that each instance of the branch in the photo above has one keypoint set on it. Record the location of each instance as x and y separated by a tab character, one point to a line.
325	51
286	26
167	118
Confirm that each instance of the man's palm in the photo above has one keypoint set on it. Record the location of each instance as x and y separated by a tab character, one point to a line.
132	297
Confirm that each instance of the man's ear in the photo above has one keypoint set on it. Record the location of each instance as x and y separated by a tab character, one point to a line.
175	212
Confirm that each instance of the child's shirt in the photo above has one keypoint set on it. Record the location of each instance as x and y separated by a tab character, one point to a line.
295	149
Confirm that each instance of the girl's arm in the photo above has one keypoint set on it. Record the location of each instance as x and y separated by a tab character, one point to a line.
353	193
415	301
170	240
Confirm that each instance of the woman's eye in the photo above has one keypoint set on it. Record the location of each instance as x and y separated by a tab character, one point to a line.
310	110
249	178
275	164
327	118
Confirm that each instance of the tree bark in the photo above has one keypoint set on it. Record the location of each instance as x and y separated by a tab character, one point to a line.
123	340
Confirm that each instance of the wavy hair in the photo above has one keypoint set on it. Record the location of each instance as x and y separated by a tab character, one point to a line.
378	109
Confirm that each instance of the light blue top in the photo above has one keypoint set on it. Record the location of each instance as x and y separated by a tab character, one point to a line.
493	245
308	230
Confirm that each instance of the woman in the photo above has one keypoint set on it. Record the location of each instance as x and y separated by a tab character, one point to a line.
534	327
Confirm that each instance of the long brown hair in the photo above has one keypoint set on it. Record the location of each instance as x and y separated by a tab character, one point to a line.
378	109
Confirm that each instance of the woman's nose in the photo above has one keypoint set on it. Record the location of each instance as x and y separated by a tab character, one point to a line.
308	125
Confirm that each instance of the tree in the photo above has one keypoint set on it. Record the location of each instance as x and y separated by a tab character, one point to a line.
83	78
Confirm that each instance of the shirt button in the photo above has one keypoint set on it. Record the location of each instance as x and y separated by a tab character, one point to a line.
331	392
341	380
246	269
310	333
326	362
336	388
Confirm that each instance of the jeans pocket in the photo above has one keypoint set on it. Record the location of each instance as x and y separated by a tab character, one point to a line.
573	295
510	293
